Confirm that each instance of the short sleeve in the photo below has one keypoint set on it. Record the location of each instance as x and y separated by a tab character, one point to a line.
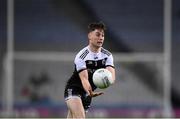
110	61
79	63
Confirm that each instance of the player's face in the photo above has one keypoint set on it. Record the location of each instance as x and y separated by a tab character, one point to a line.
96	38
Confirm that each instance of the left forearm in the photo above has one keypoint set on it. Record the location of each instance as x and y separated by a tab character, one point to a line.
112	70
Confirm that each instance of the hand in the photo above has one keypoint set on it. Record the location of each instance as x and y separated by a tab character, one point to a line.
94	94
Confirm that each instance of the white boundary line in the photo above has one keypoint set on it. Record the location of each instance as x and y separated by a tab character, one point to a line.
167	57
69	56
9	67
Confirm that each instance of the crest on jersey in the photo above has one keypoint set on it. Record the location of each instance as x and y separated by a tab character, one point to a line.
103	61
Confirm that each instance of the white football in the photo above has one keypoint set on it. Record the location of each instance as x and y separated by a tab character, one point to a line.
102	78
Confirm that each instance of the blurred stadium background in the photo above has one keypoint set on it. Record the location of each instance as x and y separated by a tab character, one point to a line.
39	39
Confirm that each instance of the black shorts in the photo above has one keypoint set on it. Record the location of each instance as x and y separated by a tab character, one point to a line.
75	91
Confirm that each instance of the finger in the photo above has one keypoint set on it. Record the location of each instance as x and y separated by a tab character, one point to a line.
97	94
100	93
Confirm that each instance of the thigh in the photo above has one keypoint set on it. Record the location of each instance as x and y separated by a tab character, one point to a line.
71	92
76	107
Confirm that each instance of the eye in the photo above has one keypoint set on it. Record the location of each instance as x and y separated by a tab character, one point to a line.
98	34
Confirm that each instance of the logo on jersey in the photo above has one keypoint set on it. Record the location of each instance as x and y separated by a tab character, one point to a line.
69	92
96	57
103	61
89	62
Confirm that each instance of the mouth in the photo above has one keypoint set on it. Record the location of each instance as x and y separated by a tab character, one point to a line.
99	42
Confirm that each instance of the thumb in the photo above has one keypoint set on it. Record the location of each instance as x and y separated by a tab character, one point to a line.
90	92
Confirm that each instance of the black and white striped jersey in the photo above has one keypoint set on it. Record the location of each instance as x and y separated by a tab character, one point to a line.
86	59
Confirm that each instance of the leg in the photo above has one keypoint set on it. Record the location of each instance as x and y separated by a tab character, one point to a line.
76	109
69	116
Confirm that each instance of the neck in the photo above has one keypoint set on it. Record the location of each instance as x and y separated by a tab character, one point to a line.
94	49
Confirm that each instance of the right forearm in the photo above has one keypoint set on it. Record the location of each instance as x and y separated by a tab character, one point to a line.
88	89
86	85
84	80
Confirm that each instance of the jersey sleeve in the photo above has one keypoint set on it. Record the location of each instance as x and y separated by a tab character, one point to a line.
79	64
110	61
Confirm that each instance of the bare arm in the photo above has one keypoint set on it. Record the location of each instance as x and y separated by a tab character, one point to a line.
86	85
112	70
84	79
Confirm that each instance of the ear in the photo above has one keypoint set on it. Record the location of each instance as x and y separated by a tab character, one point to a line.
89	35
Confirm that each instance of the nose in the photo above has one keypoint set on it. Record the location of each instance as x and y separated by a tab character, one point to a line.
101	38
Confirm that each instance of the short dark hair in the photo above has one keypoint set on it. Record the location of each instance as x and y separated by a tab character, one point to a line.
96	25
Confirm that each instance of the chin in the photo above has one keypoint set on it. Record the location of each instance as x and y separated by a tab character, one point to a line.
99	46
